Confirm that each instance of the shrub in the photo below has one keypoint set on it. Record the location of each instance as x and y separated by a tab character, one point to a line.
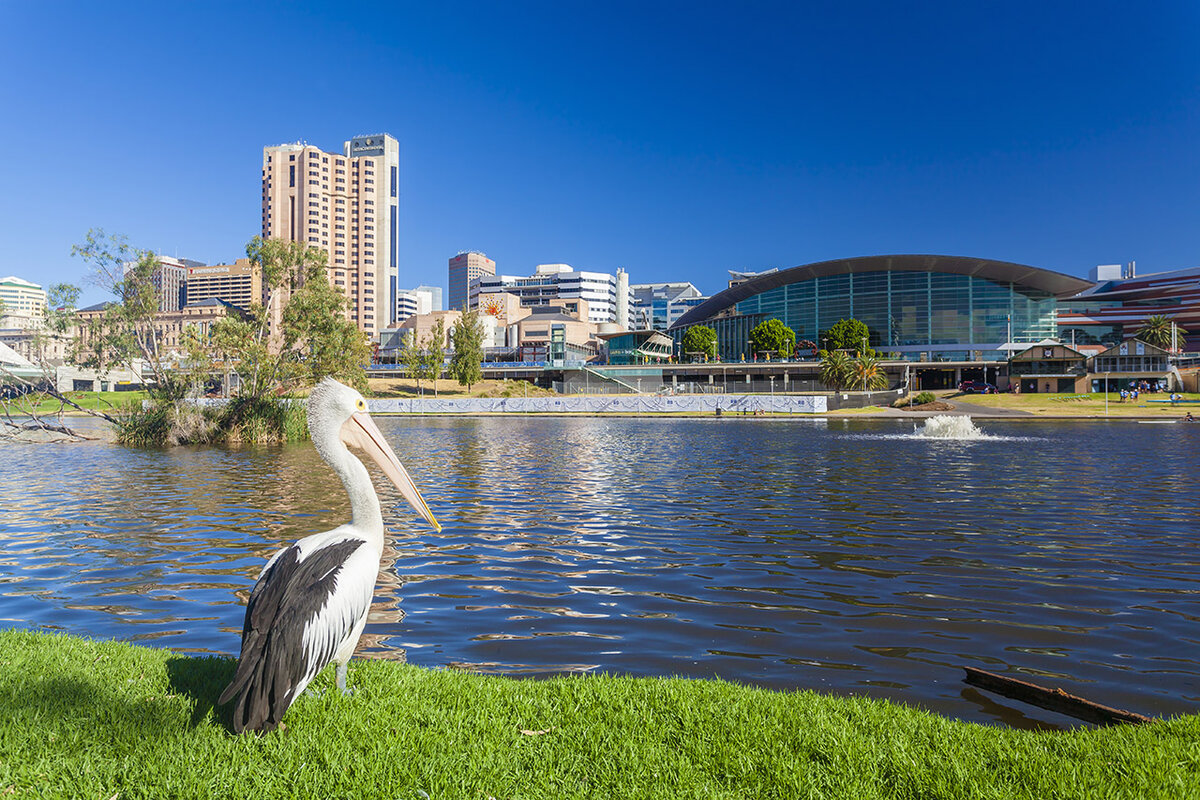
923	398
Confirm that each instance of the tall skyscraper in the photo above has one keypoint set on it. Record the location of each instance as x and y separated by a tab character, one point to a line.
348	205
464	268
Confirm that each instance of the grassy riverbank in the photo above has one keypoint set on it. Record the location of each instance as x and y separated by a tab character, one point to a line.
1085	405
102	719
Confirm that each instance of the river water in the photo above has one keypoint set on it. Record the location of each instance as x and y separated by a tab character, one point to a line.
869	557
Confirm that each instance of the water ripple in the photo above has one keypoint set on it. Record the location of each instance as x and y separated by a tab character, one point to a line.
853	557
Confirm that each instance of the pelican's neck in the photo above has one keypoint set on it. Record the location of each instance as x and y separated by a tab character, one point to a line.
364	503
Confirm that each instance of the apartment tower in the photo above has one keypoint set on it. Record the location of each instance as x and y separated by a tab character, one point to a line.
348	205
464	268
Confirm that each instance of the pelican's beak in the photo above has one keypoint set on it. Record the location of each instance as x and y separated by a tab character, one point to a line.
362	432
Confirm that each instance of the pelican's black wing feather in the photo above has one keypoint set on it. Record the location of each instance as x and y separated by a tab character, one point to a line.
290	593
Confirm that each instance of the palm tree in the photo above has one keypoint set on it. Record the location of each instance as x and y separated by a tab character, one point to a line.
1156	330
867	372
836	369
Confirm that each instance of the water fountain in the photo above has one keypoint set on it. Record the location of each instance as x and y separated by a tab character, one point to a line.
950	427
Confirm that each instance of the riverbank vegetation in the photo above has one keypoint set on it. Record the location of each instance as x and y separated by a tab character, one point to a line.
258	358
101	719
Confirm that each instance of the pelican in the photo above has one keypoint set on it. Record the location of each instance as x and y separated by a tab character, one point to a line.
310	603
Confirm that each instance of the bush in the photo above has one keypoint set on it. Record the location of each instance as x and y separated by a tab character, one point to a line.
241	420
923	398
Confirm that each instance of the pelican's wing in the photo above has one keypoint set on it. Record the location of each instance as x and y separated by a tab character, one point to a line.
280	653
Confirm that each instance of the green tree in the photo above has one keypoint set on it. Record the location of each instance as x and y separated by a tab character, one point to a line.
836	369
411	357
772	336
433	353
1156	330
867	373
125	335
700	339
466	362
320	340
847	334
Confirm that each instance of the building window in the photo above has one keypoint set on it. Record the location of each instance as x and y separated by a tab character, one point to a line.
292	174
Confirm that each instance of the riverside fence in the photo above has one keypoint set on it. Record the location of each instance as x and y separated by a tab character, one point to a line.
616	404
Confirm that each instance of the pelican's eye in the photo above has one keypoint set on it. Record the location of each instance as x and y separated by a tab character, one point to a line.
362	405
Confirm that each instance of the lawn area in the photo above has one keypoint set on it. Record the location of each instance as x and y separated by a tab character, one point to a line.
102	719
107	402
1084	405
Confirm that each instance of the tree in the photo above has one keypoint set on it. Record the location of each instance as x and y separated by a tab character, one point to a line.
320	339
700	339
1157	330
847	334
836	368
466	362
411	357
126	333
433	353
867	373
772	336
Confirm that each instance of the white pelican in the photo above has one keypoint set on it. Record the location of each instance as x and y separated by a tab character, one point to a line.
310	603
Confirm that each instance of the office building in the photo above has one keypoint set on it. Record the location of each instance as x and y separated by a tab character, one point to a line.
21	302
554	281
657	306
435	296
411	302
239	283
346	204
465	268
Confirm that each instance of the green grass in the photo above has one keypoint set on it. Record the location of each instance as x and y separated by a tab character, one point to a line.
95	401
103	719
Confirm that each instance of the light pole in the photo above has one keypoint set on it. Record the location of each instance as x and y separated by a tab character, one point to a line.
1106	394
863	355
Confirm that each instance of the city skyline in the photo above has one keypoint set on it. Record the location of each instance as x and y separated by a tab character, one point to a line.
674	143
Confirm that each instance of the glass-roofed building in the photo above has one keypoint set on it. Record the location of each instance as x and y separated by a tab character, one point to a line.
916	306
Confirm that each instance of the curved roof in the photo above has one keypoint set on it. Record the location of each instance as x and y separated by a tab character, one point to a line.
1056	283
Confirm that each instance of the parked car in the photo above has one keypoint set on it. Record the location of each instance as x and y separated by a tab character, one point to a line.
982	387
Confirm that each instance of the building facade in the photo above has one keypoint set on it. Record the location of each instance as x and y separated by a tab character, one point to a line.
916	306
410	302
21	302
658	306
346	204
239	283
463	269
551	282
1117	306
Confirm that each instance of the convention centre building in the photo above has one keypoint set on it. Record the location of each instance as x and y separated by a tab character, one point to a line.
917	307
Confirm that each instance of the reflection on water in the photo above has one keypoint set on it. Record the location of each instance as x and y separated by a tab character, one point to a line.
848	558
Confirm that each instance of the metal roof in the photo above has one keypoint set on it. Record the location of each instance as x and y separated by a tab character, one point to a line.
1055	283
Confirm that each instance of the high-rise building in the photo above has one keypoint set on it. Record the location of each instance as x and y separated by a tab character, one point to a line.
435	296
21	301
168	278
348	205
411	302
238	284
464	268
554	281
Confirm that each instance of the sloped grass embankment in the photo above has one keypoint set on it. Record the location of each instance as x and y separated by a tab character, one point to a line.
102	719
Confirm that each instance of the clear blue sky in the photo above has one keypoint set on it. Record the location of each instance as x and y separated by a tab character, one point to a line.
677	140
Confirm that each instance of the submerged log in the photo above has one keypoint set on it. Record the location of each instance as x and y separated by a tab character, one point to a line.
1052	699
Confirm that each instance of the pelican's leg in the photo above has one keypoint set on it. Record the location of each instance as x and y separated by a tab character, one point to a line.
341	677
